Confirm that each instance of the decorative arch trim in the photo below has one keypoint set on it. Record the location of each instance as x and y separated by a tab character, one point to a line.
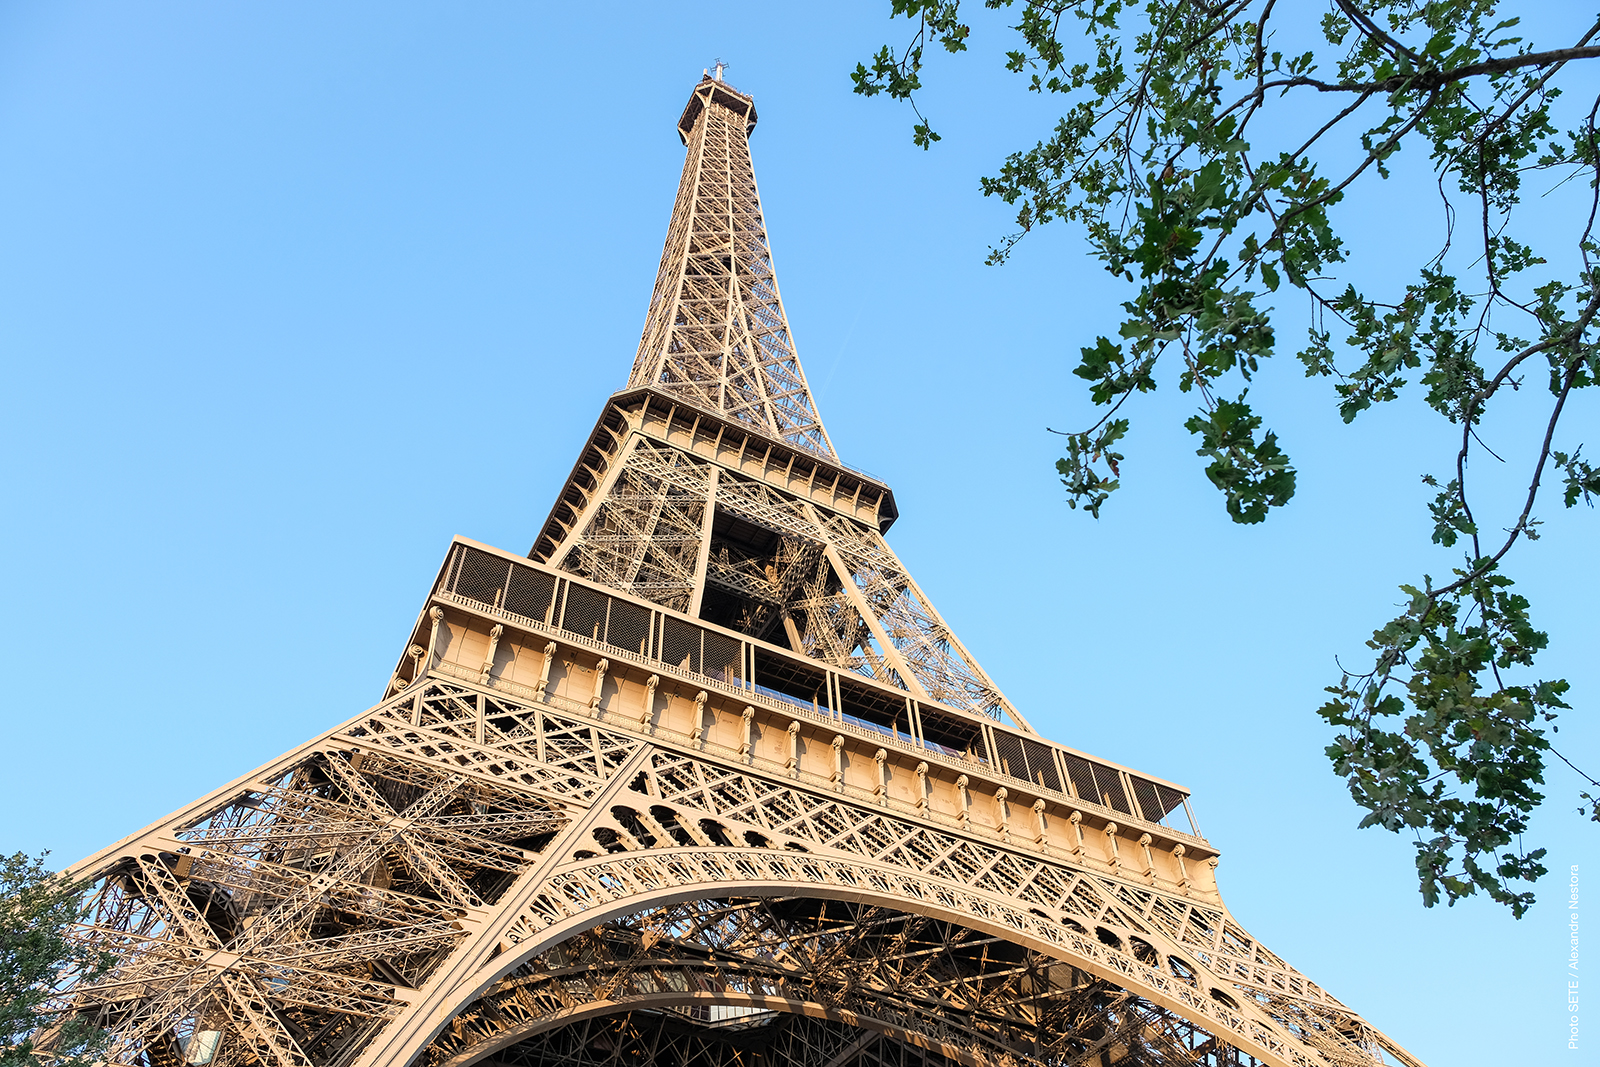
585	894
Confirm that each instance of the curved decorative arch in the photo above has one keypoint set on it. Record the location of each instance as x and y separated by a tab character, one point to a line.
974	998
580	895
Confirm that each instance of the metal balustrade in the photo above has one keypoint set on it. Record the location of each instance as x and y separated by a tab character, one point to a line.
1078	780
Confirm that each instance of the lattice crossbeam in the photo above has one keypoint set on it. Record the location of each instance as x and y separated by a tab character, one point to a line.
716	334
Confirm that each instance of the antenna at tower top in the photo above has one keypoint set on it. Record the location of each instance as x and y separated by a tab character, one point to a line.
721	66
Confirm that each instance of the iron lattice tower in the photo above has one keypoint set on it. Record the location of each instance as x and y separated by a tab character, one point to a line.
703	779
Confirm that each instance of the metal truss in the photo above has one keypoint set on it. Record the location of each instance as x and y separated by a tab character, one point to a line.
327	909
291	916
670	1037
716	334
826	584
918	984
1087	900
1275	1028
644	535
620	854
1160	947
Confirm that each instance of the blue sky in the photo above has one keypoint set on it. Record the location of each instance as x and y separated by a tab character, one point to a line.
292	293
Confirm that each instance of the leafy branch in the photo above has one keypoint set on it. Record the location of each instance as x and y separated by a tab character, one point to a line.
40	959
1206	209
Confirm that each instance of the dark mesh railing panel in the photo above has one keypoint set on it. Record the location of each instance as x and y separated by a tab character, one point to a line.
1109	789
1041	764
529	593
1149	800
1081	771
1009	751
629	627
481	577
1027	760
585	613
680	644
722	656
1097	783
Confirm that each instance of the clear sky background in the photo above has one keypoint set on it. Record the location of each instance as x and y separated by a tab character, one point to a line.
291	293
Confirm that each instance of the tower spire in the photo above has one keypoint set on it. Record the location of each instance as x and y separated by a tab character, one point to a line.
716	335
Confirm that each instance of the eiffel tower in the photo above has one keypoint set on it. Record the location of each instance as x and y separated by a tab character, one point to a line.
702	779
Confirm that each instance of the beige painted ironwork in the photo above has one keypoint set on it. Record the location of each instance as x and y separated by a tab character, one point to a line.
716	335
704	778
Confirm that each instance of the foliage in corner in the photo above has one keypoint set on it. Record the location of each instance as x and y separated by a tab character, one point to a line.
1204	148
39	960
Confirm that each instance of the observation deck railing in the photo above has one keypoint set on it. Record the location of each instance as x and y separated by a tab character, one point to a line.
1134	791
